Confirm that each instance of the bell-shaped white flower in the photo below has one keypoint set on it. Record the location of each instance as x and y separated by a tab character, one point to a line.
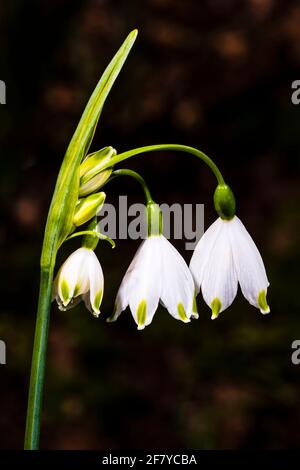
80	277
225	256
157	273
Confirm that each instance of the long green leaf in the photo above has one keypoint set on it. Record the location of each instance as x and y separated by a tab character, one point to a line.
64	199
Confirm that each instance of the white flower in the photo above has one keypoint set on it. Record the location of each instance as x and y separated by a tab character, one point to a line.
224	256
157	273
79	277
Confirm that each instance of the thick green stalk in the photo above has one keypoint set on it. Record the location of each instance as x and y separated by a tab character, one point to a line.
37	377
175	147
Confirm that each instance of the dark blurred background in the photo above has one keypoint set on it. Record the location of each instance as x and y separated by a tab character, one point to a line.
215	74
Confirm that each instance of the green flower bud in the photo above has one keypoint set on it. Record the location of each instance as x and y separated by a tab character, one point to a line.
88	207
91	176
95	183
224	202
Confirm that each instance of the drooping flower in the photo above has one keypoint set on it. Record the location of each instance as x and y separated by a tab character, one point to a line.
80	277
157	273
225	256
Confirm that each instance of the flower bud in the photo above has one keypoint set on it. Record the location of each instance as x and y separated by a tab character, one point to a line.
224	202
88	208
91	176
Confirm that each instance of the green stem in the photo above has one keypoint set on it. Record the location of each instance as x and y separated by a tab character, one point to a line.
154	214
37	376
137	177
94	235
178	148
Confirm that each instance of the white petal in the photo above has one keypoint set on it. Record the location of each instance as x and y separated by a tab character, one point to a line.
203	251
177	283
145	283
96	282
73	276
219	283
141	285
121	302
249	266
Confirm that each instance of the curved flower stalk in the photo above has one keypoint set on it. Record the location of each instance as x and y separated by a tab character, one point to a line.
225	256
80	277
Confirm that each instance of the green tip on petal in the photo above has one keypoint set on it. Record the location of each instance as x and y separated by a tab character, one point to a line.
195	309
65	292
216	307
181	312
262	302
76	290
112	318
97	302
141	314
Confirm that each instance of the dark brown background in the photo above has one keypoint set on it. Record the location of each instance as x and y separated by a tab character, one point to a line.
215	74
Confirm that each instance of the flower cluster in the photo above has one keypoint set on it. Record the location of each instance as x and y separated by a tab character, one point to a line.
224	257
